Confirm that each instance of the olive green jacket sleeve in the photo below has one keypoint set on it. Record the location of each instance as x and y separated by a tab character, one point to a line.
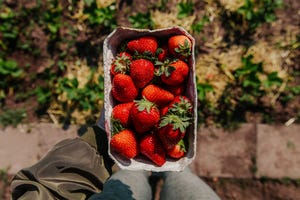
73	169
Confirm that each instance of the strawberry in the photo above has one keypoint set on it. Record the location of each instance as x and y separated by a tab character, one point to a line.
151	147
157	95
178	150
162	53
176	90
123	88
141	72
121	112
121	63
164	111
145	44
125	143
172	129
181	105
180	46
174	73
145	115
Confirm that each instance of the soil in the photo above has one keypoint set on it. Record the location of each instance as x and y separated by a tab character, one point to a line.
248	189
234	189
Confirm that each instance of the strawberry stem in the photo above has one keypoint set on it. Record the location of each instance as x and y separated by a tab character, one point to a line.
184	50
116	126
177	122
182	145
144	104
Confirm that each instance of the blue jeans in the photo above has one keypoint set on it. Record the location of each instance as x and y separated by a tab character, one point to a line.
135	185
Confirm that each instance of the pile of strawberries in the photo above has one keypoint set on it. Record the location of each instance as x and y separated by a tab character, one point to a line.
151	112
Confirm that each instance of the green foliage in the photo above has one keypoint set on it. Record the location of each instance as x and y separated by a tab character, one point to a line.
247	78
141	20
105	17
197	27
162	5
290	93
185	9
252	87
242	95
257	12
51	18
10	73
272	79
8	29
84	98
202	89
43	94
9	68
12	117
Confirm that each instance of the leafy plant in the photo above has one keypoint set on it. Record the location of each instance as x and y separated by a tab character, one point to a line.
8	29
162	5
257	12
84	98
202	89
52	19
290	93
9	68
242	95
272	79
12	117
198	26
9	74
141	20
105	17
252	87
185	8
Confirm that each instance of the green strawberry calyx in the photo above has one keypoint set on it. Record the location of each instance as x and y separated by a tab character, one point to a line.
184	50
182	107
144	104
182	145
116	126
176	121
165	68
122	64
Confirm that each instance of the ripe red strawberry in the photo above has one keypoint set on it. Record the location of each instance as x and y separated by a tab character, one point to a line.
123	88
151	147
181	105
125	143
176	90
163	52
121	112
164	111
172	129
141	72
174	73
145	115
121	63
180	46
146	44
157	95
178	150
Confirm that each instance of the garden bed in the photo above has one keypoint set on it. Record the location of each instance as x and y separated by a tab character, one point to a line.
247	57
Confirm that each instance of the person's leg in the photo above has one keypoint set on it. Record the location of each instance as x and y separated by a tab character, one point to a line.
126	184
186	186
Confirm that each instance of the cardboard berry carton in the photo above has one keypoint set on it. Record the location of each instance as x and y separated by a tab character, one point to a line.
117	42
